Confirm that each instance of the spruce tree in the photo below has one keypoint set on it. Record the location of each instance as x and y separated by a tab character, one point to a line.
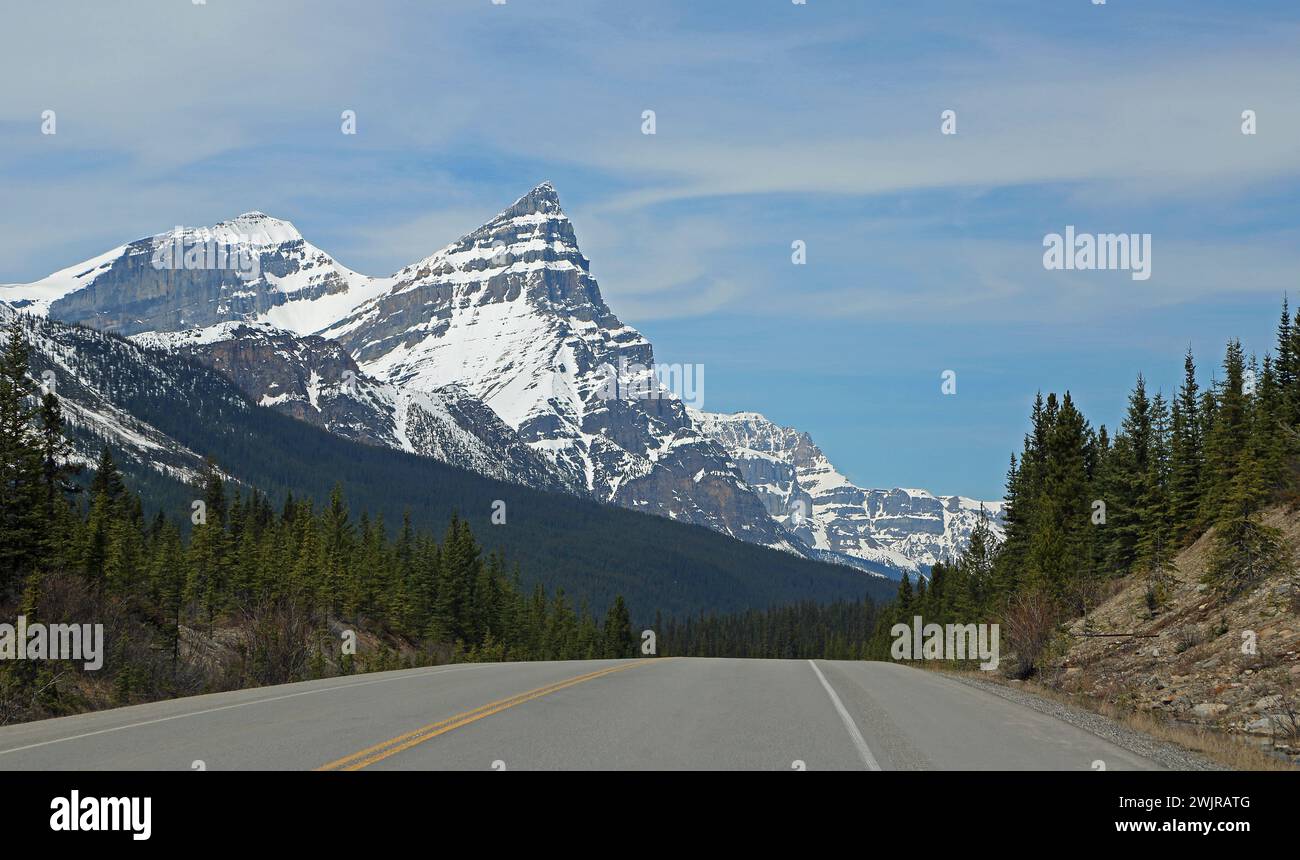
1245	550
107	493
1156	533
1185	454
342	589
458	569
904	605
21	494
1060	548
1286	357
55	451
619	641
1291	387
1125	491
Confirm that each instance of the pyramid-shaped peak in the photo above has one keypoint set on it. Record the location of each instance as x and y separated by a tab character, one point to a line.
545	192
542	200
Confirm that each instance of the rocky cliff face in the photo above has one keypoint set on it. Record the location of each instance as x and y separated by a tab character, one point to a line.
905	529
310	378
251	267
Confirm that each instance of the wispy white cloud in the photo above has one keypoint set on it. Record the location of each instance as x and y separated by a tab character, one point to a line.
196	111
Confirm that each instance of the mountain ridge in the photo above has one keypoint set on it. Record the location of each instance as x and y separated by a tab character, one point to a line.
496	352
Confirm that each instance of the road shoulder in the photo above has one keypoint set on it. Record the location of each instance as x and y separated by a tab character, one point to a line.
1163	753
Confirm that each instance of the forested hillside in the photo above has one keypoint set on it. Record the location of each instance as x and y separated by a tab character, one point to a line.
590	550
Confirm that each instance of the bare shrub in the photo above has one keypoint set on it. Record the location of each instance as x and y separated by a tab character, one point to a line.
281	638
1187	636
1031	620
1286	722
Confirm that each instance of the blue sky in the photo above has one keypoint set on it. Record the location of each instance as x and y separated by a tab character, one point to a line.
776	122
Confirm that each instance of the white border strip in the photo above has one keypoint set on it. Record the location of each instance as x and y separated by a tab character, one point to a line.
863	750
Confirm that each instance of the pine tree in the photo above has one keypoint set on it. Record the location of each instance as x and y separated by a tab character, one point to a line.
1289	352
1060	548
1227	442
1286	358
976	564
619	641
108	480
485	602
1185	454
124	554
1156	543
107	492
21	494
1127	474
403	604
1015	513
1155	517
342	589
458	570
1271	444
55	450
1245	550
210	549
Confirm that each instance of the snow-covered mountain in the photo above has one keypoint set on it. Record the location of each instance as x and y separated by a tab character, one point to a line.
512	312
251	268
906	529
497	353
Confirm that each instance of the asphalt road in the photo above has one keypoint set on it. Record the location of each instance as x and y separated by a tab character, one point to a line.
664	713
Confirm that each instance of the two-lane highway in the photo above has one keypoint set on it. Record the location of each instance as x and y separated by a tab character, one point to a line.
658	713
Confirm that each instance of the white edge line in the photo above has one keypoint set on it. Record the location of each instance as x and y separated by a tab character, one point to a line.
439	671
863	750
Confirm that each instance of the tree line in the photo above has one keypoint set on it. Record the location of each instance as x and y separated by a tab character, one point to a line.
840	630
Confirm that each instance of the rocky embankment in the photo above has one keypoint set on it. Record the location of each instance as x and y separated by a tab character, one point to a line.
1228	664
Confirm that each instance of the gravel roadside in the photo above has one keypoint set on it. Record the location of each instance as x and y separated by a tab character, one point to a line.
1165	754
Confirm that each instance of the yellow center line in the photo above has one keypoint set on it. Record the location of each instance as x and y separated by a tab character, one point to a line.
392	746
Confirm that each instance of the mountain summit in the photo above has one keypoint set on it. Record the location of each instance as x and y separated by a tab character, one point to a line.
250	268
511	312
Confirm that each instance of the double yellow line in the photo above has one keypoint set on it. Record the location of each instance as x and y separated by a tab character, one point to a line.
392	746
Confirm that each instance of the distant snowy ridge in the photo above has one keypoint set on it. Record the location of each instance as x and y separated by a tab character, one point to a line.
907	529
